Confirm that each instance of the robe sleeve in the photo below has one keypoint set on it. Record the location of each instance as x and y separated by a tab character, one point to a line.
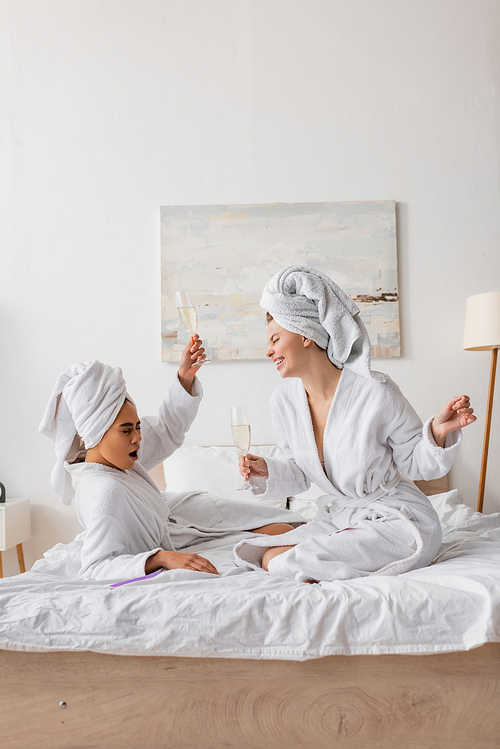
285	477
104	557
414	449
162	436
105	553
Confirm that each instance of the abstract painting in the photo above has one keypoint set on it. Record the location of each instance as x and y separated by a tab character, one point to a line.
224	255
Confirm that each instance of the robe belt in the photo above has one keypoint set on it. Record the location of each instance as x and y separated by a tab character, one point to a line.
384	490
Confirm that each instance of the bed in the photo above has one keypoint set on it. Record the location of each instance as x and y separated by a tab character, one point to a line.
184	659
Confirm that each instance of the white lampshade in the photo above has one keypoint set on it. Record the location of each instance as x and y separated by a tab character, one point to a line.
482	322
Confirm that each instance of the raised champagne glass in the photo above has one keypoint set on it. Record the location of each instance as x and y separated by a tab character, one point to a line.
189	317
240	429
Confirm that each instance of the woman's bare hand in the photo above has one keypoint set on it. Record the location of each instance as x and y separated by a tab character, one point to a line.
178	560
456	414
252	465
192	354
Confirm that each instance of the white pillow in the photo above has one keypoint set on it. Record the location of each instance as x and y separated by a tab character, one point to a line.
213	470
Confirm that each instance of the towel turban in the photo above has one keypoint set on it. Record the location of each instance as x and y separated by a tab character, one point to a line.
305	301
85	401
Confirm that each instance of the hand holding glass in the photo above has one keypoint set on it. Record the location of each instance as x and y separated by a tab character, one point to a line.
189	317
240	429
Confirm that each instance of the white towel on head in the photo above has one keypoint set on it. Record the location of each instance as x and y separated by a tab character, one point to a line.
85	401
305	301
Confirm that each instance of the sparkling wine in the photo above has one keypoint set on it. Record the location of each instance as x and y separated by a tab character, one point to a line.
189	318
241	437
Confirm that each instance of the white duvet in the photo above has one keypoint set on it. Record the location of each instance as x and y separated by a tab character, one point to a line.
452	605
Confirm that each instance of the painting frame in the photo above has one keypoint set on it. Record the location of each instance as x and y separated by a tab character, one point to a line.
224	254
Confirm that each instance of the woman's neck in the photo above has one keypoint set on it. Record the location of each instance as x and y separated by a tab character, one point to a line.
321	379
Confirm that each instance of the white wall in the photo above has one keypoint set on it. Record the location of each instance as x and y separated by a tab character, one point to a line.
112	109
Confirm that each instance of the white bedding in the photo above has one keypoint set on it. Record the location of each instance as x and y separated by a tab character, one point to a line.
452	605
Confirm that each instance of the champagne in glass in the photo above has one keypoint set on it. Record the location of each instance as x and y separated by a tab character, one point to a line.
240	429
189	318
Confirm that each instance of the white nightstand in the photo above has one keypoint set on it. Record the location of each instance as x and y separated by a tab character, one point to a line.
15	527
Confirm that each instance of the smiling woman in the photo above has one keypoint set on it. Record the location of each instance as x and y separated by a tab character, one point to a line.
351	431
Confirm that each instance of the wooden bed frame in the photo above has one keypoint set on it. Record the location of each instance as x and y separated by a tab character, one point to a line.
82	700
66	700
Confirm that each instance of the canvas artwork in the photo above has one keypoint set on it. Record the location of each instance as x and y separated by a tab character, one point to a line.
224	255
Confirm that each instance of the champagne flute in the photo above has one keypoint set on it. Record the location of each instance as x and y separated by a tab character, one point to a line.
240	429
189	317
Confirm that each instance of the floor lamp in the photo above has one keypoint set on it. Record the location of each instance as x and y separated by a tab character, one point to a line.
482	333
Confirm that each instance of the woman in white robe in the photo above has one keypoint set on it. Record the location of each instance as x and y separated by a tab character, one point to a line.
104	453
350	431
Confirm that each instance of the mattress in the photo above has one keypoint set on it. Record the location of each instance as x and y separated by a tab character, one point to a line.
452	605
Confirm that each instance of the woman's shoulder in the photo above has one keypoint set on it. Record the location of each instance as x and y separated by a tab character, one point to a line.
386	391
98	480
101	497
383	383
289	391
388	388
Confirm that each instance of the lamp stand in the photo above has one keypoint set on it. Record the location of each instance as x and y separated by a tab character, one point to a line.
486	441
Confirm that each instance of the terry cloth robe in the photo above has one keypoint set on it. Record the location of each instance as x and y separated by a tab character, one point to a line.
127	519
370	519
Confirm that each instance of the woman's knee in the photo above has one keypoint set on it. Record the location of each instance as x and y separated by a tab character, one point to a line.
274	529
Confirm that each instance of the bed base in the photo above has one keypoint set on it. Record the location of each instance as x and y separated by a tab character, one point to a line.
82	700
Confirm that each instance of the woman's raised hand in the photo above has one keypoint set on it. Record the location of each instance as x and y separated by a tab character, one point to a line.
456	414
192	354
252	465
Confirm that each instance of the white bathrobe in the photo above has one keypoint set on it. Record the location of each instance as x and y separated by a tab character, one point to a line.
372	436
127	519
